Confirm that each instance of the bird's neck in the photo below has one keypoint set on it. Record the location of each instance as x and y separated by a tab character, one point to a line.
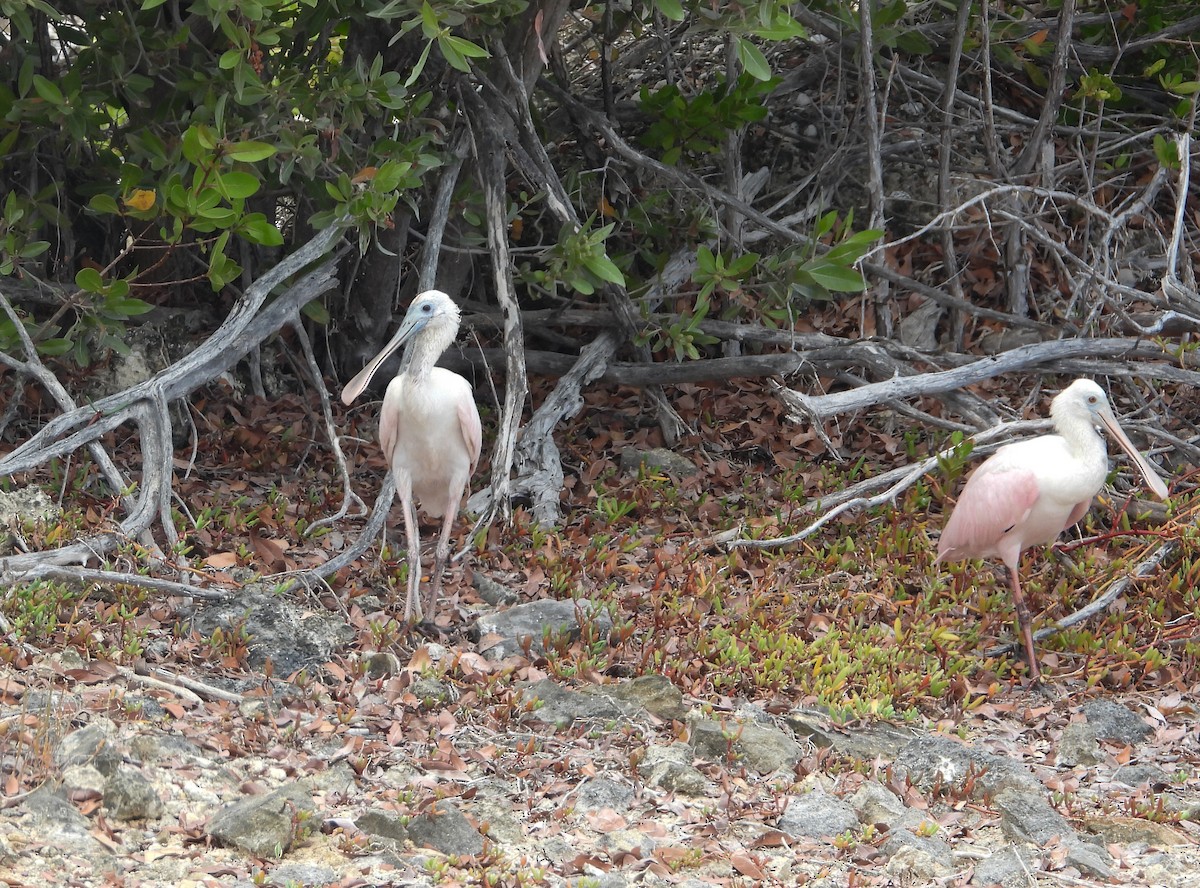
425	351
1083	439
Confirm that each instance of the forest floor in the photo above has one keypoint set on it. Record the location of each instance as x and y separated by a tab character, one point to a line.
855	623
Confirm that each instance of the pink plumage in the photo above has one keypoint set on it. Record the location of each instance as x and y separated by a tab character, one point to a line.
1028	492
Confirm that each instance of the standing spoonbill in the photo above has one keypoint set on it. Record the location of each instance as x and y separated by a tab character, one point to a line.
1029	492
429	430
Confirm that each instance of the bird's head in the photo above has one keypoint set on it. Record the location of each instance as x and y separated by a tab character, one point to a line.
1083	401
432	321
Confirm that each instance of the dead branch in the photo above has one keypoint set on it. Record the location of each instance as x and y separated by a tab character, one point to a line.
247	325
899	480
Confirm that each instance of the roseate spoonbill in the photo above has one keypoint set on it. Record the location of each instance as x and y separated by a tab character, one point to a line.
1029	492
429	430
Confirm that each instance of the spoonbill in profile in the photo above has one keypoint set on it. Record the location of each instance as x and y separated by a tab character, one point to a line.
430	432
1029	492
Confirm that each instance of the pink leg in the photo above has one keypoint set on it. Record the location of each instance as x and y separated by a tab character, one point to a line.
439	564
1025	620
412	530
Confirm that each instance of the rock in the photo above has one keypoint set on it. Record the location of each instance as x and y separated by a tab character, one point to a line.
1007	867
918	329
1078	746
266	825
446	829
82	779
670	767
25	504
128	795
1027	817
1112	721
917	864
562	706
280	630
817	815
61	826
388	826
938	760
381	664
91	745
303	874
657	459
878	741
1132	830
431	691
601	792
763	749
874	804
492	592
1136	775
654	693
506	634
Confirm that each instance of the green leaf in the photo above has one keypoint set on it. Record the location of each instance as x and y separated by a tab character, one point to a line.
452	55
229	59
250	151
467	48
317	312
152	4
603	268
672	9
89	280
839	278
130	307
235	185
104	203
48	91
55	347
753	60
256	229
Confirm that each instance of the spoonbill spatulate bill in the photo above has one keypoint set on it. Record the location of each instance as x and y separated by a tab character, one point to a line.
430	432
1029	492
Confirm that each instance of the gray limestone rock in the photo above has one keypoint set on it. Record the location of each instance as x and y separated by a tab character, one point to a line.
291	636
266	825
654	693
938	760
1007	867
868	743
303	874
658	459
875	804
508	633
128	795
91	745
1078	746
817	815
1027	817
670	767
446	829
61	825
562	706
1112	721
379	823
601	792
763	749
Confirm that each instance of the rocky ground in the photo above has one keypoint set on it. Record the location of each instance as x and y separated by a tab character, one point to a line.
471	765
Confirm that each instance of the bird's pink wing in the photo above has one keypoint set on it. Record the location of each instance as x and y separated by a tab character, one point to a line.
472	428
388	420
992	503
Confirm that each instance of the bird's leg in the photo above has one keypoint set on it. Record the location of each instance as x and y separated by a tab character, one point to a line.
1025	620
439	563
412	603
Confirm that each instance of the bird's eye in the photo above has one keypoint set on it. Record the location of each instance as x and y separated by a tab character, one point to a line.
427	308
1092	399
